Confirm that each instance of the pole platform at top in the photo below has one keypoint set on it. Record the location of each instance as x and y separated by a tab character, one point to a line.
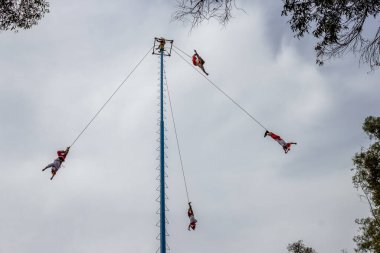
162	43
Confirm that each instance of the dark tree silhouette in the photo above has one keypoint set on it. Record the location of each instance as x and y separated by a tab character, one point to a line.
21	14
197	11
367	179
341	25
299	247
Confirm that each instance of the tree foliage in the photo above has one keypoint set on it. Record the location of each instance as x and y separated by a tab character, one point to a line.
367	179
340	25
369	239
21	14
197	11
299	247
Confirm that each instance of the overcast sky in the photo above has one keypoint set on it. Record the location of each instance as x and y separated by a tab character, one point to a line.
247	194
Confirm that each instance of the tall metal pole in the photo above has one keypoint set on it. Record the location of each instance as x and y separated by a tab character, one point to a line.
162	161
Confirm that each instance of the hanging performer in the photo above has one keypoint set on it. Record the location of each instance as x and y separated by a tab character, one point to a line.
198	61
285	145
193	221
57	162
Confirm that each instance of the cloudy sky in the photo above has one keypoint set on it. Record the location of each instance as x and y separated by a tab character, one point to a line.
247	194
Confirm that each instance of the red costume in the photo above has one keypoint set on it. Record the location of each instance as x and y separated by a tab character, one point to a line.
285	145
193	221
195	59
198	61
62	154
56	165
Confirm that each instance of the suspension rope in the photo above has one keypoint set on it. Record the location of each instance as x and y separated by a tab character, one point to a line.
182	51
109	99
176	137
222	91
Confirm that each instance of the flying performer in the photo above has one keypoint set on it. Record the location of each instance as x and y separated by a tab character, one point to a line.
198	61
162	42
193	221
285	145
57	162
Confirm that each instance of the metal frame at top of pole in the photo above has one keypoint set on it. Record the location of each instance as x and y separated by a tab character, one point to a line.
162	52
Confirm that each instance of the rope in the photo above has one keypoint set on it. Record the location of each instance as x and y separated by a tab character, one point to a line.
183	51
176	137
109	99
222	91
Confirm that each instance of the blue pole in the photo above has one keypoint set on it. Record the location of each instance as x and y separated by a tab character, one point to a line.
162	162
